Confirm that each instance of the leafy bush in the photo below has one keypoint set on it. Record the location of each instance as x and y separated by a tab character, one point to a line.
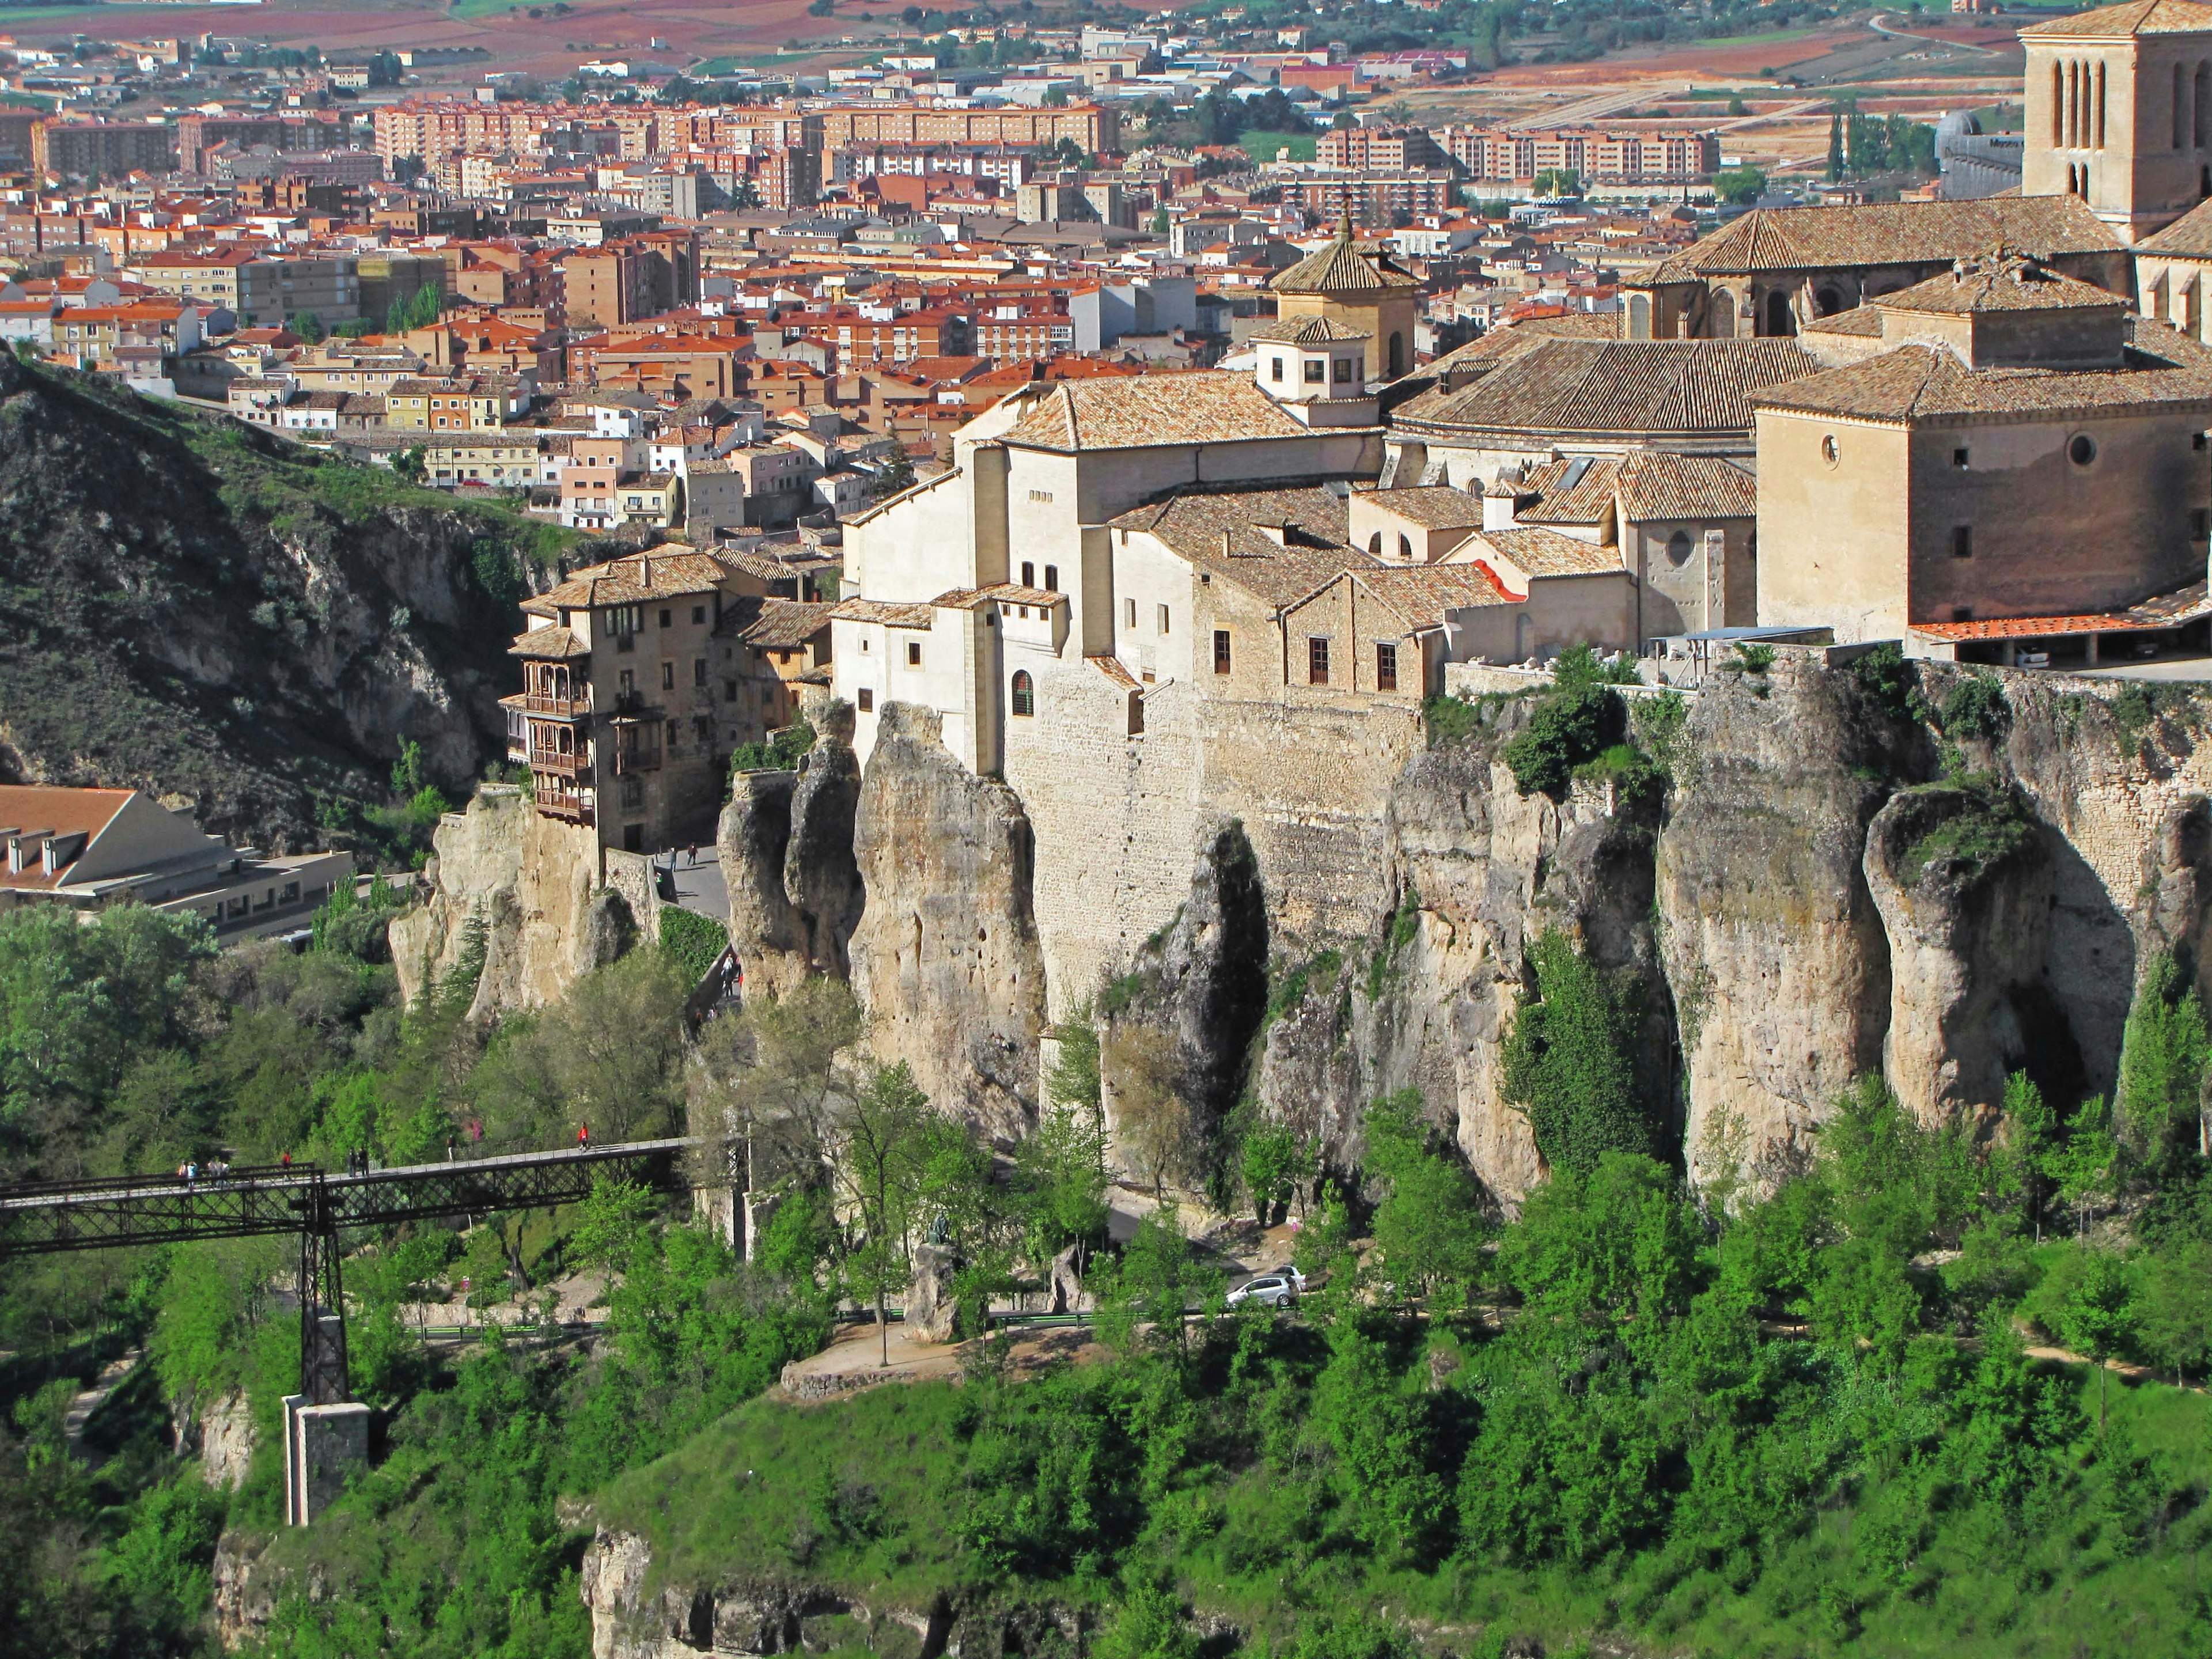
781	752
1891	683
1571	725
1975	707
1569	1061
1448	720
692	942
1977	826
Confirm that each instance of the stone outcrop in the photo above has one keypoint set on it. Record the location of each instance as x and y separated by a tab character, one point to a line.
220	1431
245	1588
932	1310
1774	948
526	885
1963	884
787	847
944	961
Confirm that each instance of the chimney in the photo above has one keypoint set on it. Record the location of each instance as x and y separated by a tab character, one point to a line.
1500	502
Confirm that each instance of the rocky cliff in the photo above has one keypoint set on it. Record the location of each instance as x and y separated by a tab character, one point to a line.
195	607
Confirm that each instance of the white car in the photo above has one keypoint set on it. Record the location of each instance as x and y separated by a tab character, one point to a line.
1277	1290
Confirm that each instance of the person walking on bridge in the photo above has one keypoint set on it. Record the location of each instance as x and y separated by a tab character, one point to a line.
583	1137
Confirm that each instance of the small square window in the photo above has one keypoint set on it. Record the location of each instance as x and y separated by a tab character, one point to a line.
667	617
698	671
2200	523
1959	460
698	614
1386	667
1052	579
1163	618
668	676
1274	368
1221	651
729	691
1962	542
867	701
2198	440
1317	371
1128	613
1316	661
913	655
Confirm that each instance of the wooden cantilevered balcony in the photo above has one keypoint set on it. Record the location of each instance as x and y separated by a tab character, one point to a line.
567	707
570	763
557	802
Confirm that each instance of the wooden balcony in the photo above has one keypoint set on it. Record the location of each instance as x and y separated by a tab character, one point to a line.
629	762
565	763
559	803
575	707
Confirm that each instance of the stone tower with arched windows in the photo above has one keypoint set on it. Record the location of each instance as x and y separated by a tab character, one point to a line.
2119	112
1367	294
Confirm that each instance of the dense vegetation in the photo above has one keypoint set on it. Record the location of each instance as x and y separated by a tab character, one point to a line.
1805	1422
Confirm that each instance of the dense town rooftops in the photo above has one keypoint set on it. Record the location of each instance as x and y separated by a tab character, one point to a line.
1887	233
658	572
787	624
2116	22
1144	411
1656	485
1683	386
965	599
1421	593
1537	552
883	611
2188	237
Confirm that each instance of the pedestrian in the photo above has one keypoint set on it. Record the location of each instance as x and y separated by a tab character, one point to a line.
583	1137
192	1172
288	1160
695	853
449	1149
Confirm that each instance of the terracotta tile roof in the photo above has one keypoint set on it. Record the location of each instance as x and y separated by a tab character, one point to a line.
1540	552
964	598
1657	485
1860	322
1308	331
1575	490
1433	506
1144	410
2188	237
1341	268
1519	336
664	572
1917	382
2138	17
2164	610
787	624
878	610
1421	593
1112	669
1887	233
550	644
2000	284
1220	533
1614	386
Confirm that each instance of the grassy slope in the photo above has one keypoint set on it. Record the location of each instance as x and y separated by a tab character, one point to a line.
726	1506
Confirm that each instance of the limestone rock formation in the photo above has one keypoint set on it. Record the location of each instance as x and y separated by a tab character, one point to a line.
530	885
944	961
1963	884
786	842
1774	950
245	1590
224	1430
931	1312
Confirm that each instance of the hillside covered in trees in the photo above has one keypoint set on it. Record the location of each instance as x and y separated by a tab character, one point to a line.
1848	1414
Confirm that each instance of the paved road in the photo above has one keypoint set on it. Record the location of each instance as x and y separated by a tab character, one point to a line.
700	886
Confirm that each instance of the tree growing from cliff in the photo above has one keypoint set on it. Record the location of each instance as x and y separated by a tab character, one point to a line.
1569	1061
1152	1127
2163	1059
770	1074
1276	1162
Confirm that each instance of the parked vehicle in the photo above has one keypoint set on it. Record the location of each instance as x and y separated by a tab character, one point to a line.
1277	1290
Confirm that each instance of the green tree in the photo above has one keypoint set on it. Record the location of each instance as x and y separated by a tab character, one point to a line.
2174	1308
1276	1159
2082	1166
1152	1128
1429	1225
2163	1057
1157	1283
877	1164
1570	1063
2085	1303
1742	185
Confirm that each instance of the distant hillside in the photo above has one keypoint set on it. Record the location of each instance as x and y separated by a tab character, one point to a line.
213	613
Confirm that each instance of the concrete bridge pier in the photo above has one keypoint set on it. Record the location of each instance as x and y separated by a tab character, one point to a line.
323	1446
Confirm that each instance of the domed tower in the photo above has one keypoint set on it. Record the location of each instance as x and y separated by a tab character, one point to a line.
1367	294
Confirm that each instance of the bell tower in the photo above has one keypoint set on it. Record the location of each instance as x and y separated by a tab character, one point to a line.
2119	112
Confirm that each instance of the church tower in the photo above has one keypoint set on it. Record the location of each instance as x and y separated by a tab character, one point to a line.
2119	112
1366	294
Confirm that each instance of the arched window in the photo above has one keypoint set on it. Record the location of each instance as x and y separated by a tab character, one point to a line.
1375	543
1677	548
1025	698
1779	322
1405	545
2057	103
2180	106
2200	115
1829	302
2099	123
1397	355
